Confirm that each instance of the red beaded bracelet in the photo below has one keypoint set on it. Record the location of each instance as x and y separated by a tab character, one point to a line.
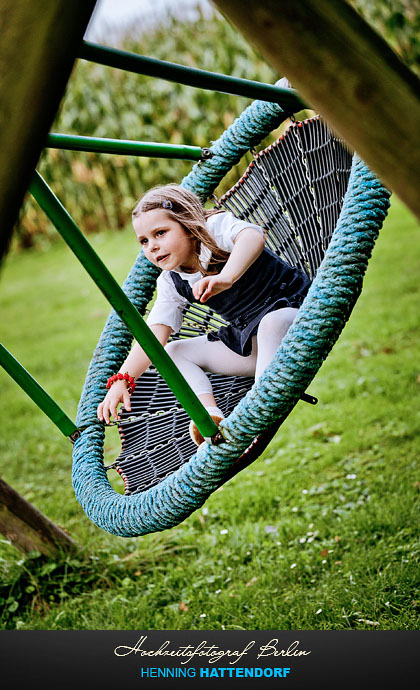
122	377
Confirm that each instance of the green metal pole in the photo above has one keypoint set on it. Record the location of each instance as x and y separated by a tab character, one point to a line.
124	146
122	305
40	397
288	99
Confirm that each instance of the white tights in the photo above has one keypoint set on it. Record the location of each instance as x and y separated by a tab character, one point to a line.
194	356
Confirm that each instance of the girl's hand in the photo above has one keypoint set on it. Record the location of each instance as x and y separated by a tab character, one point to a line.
209	286
118	393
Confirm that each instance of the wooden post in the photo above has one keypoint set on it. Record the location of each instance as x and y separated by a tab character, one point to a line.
39	41
348	74
27	528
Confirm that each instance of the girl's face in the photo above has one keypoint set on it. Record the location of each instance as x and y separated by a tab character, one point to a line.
164	241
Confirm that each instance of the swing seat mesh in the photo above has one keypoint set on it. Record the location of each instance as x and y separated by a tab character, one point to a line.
322	208
294	189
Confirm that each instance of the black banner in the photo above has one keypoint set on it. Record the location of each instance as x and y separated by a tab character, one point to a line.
210	658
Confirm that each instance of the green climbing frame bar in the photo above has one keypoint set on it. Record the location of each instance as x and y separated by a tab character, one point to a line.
288	99
32	388
122	305
126	147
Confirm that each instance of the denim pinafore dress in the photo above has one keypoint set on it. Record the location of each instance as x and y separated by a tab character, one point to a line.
268	284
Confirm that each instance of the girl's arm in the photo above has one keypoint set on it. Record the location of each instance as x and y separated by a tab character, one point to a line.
247	247
135	365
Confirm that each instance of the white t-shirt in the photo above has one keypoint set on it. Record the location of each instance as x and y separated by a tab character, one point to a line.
167	309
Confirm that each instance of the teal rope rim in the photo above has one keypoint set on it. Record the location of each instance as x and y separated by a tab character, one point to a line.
320	320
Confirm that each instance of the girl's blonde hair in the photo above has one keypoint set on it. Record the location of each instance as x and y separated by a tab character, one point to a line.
185	208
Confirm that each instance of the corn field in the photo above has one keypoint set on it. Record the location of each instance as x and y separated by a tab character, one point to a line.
100	190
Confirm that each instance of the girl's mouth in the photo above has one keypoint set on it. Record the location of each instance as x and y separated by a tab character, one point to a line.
162	258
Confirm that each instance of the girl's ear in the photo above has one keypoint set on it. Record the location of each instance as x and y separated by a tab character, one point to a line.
191	235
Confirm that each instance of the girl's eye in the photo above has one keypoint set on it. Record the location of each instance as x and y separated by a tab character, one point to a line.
160	233
143	241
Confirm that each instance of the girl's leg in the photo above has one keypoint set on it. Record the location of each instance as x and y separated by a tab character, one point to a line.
271	331
194	356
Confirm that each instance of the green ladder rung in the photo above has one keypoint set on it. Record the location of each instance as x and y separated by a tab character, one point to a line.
288	99
126	147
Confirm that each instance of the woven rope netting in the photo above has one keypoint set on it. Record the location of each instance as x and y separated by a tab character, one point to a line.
296	192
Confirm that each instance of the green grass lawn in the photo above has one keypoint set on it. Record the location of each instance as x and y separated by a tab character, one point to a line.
322	532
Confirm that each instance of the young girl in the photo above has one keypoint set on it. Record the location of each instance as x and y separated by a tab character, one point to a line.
209	257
